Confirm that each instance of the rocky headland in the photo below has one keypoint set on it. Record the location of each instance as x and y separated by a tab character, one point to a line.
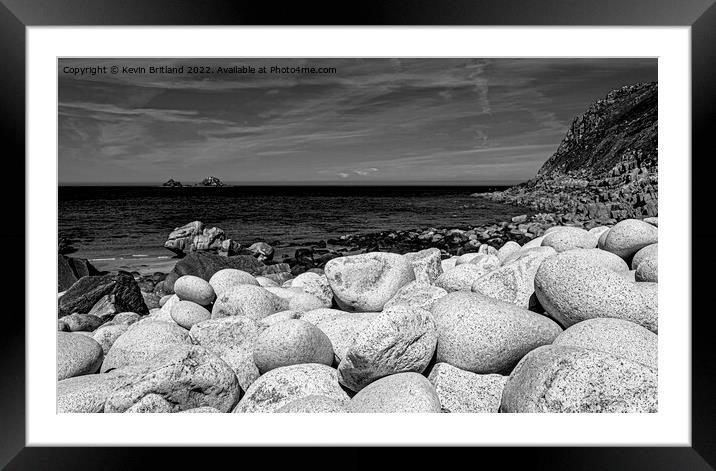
551	311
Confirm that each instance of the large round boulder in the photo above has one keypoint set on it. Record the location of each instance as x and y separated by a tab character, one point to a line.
398	340
314	404
194	289
77	355
316	285
185	376
225	279
559	378
616	336
142	341
486	335
398	393
462	391
462	277
416	294
627	237
366	282
568	238
232	339
284	385
291	342
514	282
188	313
251	301
342	329
426	265
648	252
573	289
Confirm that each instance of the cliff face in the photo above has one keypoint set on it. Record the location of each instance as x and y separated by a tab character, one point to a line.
606	167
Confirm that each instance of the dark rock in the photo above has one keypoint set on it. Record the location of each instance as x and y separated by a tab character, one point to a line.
262	251
84	294
211	181
69	270
194	237
81	322
204	265
172	183
64	246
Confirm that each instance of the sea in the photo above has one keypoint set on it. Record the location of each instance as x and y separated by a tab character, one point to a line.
106	223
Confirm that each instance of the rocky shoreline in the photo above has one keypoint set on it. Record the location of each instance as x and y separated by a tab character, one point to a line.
378	331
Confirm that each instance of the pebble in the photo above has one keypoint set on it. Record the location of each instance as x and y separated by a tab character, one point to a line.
426	265
186	376
572	290
484	335
291	342
616	336
416	294
366	282
558	378
314	404
284	385
629	236
251	301
398	393
228	278
188	313
398	340
194	289
461	391
142	341
77	355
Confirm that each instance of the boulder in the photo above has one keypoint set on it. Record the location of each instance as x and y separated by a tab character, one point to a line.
629	236
508	249
83	295
206	264
291	342
462	277
514	282
650	251
485	335
316	285
317	315
142	341
398	340
81	322
366	282
306	302
284	385
279	317
70	269
232	339
648	270
416	294
399	393
559	378
77	355
201	410
151	404
572	290
461	391
599	257
650	293
342	329
616	336
426	265
194	237
88	393
186	376
569	238
187	314
313	404
108	334
262	251
194	289
251	301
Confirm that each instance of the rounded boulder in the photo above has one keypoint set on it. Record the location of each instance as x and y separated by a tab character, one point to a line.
291	342
77	355
251	301
627	237
398	393
194	289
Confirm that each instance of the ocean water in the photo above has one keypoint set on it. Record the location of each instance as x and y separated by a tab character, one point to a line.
131	221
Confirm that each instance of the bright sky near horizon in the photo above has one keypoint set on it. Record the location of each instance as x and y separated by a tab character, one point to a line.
445	121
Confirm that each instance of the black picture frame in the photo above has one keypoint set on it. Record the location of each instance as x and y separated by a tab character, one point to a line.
700	15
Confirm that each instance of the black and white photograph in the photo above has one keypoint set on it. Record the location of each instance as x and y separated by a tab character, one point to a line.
357	235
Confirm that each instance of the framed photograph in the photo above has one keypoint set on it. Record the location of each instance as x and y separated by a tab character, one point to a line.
432	226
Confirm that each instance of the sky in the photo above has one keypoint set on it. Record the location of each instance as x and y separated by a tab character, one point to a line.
370	121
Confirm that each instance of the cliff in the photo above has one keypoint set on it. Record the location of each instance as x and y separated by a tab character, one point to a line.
606	167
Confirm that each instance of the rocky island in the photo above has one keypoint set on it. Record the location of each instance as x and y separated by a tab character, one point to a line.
553	311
